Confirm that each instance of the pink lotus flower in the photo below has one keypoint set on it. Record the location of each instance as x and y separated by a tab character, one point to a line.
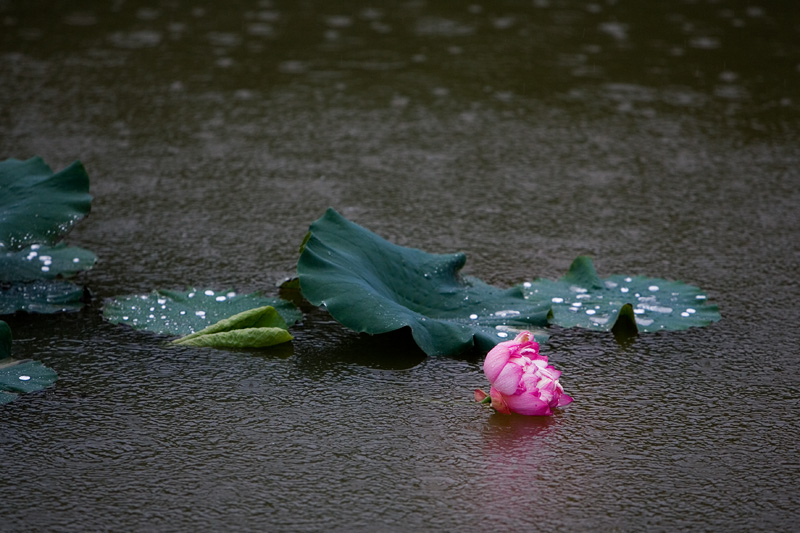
522	381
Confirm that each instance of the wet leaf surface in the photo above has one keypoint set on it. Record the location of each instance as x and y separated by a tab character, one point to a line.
44	262
41	296
182	313
374	286
38	206
582	299
20	376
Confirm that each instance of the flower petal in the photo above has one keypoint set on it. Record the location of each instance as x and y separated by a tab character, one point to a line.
509	380
496	359
528	404
523	336
564	399
498	402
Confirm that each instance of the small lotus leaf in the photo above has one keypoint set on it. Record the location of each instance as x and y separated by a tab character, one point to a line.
582	299
38	206
42	296
371	285
19	376
182	313
25	375
44	262
254	328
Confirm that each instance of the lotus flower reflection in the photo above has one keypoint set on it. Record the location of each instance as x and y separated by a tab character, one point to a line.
522	381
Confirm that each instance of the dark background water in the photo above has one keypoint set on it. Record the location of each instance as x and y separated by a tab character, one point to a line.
661	138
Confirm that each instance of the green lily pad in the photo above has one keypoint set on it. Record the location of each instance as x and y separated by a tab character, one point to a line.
182	313
255	328
371	285
582	299
38	206
20	376
41	296
44	262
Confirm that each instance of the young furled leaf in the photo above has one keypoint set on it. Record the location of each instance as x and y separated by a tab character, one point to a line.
255	328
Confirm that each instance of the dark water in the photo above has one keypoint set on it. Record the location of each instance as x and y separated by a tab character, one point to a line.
661	138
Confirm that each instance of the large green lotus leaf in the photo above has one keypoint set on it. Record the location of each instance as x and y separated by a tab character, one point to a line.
182	313
44	262
20	376
42	296
255	328
371	285
37	205
582	299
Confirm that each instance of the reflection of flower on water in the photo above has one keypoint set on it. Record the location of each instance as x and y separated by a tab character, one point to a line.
517	459
508	432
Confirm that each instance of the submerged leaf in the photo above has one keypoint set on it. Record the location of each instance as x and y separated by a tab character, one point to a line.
182	313
43	296
371	285
254	328
37	205
20	376
582	299
44	262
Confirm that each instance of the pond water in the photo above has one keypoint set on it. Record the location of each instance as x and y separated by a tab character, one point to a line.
659	138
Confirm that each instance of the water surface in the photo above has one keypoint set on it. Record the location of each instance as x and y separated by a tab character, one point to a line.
660	139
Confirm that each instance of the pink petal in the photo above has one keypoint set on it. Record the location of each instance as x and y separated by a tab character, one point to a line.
496	359
508	381
523	336
528	404
498	402
564	399
480	395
